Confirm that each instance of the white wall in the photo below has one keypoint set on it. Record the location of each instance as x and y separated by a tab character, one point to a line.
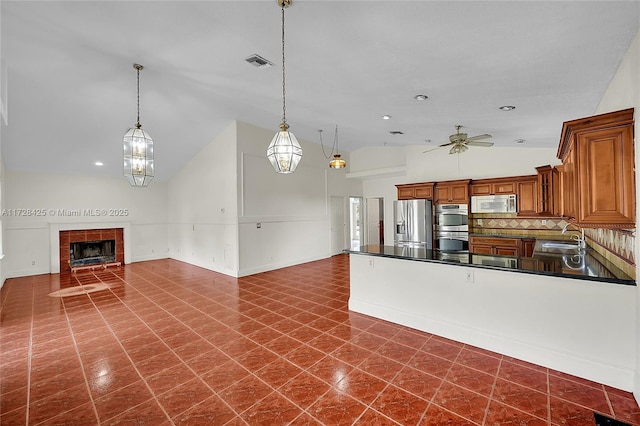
27	240
292	210
202	219
215	205
624	92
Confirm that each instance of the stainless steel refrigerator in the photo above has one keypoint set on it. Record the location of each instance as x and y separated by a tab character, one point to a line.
413	223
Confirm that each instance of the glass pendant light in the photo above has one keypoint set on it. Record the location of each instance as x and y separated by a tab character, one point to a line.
284	151
138	150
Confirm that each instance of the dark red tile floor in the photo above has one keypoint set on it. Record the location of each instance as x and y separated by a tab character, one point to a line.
171	343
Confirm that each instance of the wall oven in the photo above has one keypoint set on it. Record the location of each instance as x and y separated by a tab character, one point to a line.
452	227
452	217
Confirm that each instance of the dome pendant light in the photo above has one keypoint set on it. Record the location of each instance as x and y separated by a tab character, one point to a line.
284	151
138	150
337	162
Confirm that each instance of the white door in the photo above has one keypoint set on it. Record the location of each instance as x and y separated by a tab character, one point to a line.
337	225
374	221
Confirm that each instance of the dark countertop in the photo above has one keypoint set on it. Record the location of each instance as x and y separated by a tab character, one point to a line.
521	237
585	264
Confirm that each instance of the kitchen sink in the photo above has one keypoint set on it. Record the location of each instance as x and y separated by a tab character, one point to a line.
559	245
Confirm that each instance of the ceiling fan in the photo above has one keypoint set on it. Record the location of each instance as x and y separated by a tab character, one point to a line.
459	142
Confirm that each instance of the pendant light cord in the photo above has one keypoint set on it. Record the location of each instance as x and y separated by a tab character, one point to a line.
334	147
284	102
138	125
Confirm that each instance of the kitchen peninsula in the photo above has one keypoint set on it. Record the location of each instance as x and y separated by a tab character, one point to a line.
584	326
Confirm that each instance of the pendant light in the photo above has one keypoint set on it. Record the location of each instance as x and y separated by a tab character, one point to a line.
337	162
284	151
138	149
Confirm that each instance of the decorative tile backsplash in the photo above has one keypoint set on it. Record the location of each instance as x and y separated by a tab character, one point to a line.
617	245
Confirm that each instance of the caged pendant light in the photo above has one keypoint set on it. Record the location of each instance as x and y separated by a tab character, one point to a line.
138	149
284	151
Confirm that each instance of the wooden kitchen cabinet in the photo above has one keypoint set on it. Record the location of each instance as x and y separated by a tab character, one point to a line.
527	196
452	192
493	245
527	245
548	187
498	186
415	191
598	175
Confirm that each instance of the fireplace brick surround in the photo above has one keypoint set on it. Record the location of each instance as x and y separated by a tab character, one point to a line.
84	235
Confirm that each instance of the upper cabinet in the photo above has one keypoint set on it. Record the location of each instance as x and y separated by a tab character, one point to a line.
452	192
549	197
528	196
415	191
598	177
498	186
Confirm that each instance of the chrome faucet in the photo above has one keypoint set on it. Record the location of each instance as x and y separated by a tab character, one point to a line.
579	239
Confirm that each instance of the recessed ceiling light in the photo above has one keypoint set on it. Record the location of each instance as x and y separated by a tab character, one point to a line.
386	117
507	108
519	140
99	163
420	97
396	132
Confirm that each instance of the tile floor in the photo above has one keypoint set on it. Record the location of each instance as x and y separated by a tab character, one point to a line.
171	343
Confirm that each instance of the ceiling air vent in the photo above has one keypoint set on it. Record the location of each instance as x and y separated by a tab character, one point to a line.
259	62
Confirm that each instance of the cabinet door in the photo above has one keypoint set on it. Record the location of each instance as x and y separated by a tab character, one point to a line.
459	193
556	189
545	190
424	191
504	188
527	197
481	189
506	251
528	245
606	176
443	193
569	184
481	249
406	193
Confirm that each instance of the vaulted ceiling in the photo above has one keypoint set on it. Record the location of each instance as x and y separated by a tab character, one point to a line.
71	87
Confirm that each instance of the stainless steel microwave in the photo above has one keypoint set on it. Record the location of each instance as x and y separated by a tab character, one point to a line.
493	204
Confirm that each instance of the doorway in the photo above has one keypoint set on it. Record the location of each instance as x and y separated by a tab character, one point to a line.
355	223
374	220
338	225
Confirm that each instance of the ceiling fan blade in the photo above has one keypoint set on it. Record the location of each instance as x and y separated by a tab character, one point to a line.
478	137
432	149
447	144
479	143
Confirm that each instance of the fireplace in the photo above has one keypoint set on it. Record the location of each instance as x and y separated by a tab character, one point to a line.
84	253
90	248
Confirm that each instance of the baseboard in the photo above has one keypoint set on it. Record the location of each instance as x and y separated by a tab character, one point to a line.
150	257
26	272
593	370
273	266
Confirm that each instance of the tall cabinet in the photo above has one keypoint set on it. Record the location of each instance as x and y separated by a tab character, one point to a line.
598	176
